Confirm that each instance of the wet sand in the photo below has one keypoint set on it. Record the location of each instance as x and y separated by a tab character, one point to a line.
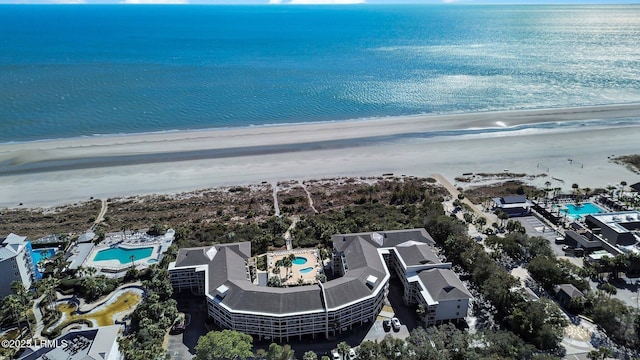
55	172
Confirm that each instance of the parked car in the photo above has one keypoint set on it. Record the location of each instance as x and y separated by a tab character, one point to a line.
386	324
335	355
352	354
395	323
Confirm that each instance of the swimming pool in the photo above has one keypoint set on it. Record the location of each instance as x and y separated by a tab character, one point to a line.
123	255
299	260
39	254
306	270
580	210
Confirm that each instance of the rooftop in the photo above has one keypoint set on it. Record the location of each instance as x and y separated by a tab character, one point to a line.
92	344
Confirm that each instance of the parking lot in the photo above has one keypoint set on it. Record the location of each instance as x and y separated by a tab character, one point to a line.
181	346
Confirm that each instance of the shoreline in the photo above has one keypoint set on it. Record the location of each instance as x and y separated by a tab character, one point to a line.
64	171
563	112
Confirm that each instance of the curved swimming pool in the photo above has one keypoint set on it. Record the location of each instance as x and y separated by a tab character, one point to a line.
299	260
123	255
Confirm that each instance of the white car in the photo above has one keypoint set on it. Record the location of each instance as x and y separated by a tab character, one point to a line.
335	355
395	323
352	354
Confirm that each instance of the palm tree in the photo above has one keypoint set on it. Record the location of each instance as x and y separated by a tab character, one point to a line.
622	185
600	354
547	184
24	299
611	188
13	303
132	257
48	286
124	229
309	355
343	348
288	263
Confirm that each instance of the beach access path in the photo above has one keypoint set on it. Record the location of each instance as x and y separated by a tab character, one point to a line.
491	218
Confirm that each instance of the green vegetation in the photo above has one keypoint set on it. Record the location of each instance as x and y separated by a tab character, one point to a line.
263	234
151	319
226	344
632	162
446	342
540	322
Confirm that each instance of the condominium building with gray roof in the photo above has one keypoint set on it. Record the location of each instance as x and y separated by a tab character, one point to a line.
361	265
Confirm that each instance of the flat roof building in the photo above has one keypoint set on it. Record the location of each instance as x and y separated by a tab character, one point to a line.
361	265
99	343
620	229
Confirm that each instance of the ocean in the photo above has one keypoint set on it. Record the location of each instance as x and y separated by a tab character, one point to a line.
94	70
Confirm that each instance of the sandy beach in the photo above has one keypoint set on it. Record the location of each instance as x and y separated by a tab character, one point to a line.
47	173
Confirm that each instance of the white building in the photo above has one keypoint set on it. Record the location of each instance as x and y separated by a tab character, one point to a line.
99	343
355	297
16	263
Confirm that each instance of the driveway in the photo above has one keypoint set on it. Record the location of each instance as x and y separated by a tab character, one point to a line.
182	346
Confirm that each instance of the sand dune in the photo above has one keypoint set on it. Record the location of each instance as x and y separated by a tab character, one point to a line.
60	171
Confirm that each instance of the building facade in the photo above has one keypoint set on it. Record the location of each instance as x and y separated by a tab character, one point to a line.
16	263
361	266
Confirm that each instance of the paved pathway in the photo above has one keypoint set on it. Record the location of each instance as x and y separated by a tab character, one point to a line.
275	199
103	211
37	314
287	234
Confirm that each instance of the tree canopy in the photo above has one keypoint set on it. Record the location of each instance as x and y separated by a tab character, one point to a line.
225	345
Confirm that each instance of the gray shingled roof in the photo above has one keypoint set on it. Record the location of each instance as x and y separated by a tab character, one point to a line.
390	238
417	254
192	256
514	199
228	268
443	284
569	289
364	261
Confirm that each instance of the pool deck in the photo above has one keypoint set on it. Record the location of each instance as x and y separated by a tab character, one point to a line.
294	274
137	240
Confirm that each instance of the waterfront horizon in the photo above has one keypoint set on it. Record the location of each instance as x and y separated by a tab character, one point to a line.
109	70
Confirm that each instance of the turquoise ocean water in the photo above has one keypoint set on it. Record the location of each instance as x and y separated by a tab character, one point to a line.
69	70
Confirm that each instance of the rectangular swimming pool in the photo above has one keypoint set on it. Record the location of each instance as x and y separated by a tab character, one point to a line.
577	211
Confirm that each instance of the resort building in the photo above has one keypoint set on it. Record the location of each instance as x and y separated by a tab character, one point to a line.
426	280
565	293
99	343
619	229
513	205
361	263
16	263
